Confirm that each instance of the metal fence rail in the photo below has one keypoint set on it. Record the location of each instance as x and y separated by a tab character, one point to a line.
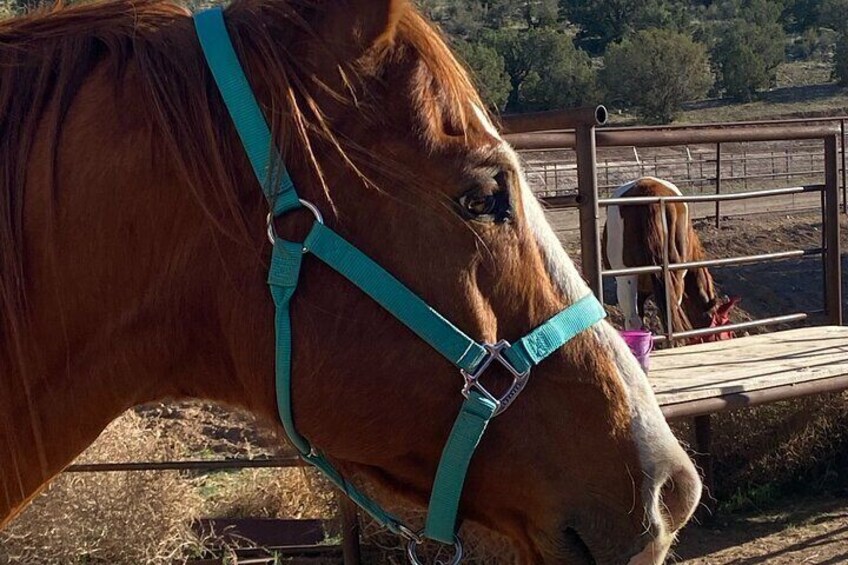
552	138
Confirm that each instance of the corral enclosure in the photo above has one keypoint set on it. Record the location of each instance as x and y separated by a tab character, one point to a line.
781	223
749	447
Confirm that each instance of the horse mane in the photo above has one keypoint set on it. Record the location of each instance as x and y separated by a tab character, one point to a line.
47	56
704	278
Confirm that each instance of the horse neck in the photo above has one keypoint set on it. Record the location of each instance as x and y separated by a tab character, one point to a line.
127	294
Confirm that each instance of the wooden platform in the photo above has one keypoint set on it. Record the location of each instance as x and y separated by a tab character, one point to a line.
706	378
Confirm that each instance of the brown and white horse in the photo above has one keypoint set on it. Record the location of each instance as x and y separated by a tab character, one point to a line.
634	237
133	263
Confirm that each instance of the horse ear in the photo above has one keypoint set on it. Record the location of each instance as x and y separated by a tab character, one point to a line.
352	28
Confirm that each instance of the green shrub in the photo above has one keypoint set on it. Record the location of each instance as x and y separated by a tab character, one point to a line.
655	71
834	14
814	44
489	70
840	60
746	57
546	71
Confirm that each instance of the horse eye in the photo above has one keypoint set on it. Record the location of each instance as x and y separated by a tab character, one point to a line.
476	203
489	203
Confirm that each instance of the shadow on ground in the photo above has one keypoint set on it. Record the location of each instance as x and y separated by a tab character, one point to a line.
808	531
783	95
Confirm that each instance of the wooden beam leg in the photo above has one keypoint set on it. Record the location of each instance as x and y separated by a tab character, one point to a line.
704	460
350	532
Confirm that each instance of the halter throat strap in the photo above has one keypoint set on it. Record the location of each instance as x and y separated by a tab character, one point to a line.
472	358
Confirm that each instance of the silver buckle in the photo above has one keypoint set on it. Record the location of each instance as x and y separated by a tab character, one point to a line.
412	552
519	380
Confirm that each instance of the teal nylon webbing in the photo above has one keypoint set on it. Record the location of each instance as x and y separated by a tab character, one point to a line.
392	295
244	110
385	519
283	277
477	411
533	348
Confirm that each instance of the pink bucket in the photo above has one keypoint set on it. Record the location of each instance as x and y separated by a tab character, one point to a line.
641	343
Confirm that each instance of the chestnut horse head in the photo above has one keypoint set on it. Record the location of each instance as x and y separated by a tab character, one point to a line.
133	264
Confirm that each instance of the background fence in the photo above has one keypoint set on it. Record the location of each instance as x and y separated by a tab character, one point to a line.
695	168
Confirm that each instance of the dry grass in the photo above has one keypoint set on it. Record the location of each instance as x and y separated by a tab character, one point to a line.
133	518
795	447
109	518
269	493
480	545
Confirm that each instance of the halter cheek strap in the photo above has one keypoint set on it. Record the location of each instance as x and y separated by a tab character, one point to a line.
469	356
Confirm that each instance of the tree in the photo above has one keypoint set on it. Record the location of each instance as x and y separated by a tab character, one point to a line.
747	56
661	15
747	44
800	15
545	69
834	14
542	13
9	8
655	71
463	19
489	70
603	22
840	60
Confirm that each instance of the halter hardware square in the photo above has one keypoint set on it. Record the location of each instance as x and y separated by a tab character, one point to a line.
494	353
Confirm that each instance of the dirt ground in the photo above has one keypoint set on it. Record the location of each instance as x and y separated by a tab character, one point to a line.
811	531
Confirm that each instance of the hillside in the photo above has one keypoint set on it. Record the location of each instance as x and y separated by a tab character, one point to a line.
803	90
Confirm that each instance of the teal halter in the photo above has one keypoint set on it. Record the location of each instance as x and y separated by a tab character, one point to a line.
471	357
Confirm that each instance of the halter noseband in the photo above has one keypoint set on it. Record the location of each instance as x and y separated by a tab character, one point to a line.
471	357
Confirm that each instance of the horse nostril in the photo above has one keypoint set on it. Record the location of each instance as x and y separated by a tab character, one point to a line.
679	496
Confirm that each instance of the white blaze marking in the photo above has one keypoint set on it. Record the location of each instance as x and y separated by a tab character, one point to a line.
487	123
654	440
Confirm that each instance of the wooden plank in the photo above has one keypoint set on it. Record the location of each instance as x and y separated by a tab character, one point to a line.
747	364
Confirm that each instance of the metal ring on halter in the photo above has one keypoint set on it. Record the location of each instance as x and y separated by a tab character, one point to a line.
412	553
409	534
272	235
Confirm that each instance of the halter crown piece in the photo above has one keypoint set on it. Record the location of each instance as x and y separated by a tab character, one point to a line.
471	357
